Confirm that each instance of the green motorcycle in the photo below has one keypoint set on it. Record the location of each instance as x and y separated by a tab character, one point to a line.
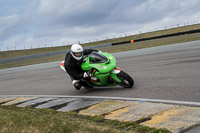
104	72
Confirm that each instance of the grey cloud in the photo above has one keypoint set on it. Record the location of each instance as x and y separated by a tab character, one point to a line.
75	13
54	20
15	24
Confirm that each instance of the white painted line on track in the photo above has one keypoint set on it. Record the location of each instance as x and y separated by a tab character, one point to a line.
186	103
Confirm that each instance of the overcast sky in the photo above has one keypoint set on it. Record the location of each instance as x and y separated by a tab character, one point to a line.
31	23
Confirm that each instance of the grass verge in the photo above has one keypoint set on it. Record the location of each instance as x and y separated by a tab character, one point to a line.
15	120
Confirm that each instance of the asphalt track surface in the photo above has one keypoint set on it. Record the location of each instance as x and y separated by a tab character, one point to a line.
169	72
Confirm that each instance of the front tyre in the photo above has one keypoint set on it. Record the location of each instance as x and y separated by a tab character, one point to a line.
127	81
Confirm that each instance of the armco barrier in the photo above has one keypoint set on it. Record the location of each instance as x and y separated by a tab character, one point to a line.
47	54
32	56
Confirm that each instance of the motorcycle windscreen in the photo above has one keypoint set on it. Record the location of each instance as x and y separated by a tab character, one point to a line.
96	57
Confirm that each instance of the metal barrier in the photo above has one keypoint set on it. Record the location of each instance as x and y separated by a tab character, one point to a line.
47	54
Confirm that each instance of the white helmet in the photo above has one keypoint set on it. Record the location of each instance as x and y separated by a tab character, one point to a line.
77	51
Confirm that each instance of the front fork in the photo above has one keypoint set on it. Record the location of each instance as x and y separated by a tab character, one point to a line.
114	73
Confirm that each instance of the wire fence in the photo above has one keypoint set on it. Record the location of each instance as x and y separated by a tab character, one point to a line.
113	36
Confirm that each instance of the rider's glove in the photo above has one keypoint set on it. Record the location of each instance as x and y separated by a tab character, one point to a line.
87	74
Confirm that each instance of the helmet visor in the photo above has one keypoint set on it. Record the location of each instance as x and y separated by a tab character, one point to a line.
78	54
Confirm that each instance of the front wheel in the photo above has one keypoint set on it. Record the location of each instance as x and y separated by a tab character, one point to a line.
127	81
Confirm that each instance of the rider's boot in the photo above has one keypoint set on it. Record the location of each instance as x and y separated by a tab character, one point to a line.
77	84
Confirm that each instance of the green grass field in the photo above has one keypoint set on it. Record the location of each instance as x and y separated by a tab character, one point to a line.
29	120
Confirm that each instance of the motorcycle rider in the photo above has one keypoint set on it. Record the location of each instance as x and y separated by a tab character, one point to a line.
73	61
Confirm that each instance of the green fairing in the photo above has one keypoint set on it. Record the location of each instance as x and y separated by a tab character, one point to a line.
114	76
103	70
110	64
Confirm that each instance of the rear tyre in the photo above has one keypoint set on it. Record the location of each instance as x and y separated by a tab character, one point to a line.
127	81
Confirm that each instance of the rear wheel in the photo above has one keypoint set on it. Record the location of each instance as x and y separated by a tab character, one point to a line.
127	81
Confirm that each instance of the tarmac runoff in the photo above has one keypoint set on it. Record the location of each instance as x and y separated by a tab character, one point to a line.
176	116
